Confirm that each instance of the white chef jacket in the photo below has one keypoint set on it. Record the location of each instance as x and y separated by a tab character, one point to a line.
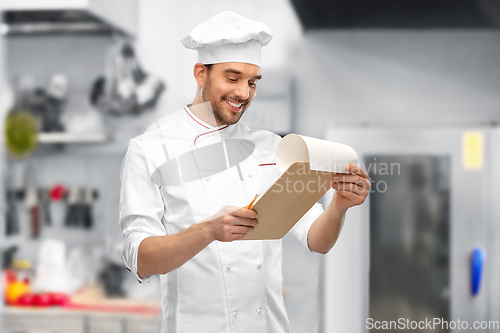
228	286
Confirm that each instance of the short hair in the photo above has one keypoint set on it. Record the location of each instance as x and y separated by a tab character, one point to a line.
208	67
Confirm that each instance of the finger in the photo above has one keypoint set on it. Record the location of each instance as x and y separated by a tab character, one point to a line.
359	187
237	237
245	222
231	220
355	198
356	170
244	212
347	187
241	230
349	178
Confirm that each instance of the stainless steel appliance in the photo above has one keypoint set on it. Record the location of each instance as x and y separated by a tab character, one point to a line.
425	244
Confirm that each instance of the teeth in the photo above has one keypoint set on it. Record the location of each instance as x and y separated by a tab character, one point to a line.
236	105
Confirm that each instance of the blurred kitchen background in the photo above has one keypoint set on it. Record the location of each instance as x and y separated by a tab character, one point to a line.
413	86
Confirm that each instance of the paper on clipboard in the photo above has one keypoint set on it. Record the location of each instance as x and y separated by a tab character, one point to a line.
321	154
307	165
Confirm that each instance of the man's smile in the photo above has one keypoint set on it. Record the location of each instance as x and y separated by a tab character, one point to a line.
233	106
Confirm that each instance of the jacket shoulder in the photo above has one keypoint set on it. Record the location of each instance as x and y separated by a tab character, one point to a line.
170	121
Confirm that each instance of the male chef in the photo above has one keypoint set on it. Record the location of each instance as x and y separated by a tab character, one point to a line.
186	182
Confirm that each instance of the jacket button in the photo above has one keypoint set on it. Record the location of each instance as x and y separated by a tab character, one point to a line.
235	314
259	265
228	267
207	179
250	175
258	311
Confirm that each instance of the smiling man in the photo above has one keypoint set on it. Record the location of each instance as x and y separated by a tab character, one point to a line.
228	87
186	182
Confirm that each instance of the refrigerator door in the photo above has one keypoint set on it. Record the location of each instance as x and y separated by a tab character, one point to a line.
407	252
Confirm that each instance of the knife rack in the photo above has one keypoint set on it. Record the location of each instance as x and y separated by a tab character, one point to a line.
19	194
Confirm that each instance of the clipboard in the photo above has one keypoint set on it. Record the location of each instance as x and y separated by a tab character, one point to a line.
288	199
308	165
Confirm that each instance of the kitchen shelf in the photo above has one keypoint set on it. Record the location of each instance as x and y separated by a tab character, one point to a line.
62	137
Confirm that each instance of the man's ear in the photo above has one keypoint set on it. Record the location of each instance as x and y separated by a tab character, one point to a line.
200	73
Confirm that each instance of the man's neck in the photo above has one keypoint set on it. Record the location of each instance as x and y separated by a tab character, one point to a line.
203	110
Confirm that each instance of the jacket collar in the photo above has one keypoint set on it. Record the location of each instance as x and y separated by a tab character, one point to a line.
200	123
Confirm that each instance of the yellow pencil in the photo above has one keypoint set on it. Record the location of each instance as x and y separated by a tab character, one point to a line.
251	203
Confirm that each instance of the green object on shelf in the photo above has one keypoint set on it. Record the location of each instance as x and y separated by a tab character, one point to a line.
20	132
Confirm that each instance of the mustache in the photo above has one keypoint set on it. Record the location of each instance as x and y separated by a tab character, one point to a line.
236	99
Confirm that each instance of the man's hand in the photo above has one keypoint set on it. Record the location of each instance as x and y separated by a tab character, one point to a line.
350	189
162	254
231	223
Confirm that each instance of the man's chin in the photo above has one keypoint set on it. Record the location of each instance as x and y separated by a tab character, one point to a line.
230	120
230	117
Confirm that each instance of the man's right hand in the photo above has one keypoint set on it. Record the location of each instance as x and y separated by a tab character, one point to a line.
231	223
162	254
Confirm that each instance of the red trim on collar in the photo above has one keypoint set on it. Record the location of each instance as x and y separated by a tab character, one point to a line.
189	114
218	129
267	164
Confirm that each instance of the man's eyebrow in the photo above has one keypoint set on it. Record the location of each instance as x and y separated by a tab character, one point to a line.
237	72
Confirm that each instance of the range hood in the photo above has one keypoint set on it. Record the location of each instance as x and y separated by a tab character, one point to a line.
68	16
398	14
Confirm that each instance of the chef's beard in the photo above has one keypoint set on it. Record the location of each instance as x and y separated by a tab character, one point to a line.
219	115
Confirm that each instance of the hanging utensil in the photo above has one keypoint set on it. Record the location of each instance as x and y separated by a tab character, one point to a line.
45	205
125	88
72	208
88	199
11	218
31	201
148	88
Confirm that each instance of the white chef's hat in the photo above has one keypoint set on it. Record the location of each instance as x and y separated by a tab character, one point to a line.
228	37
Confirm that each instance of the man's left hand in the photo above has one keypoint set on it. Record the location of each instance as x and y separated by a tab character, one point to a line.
350	189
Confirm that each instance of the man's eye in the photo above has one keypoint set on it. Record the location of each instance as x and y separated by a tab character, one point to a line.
231	79
252	84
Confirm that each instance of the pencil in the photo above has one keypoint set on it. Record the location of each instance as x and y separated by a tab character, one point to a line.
251	203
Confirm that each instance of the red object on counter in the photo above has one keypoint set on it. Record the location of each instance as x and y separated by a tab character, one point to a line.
42	300
59	299
26	300
58	192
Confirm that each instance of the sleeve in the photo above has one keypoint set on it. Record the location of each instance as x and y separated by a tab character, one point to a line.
301	228
141	205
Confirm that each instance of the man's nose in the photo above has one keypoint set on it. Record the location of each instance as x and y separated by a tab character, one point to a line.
242	90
